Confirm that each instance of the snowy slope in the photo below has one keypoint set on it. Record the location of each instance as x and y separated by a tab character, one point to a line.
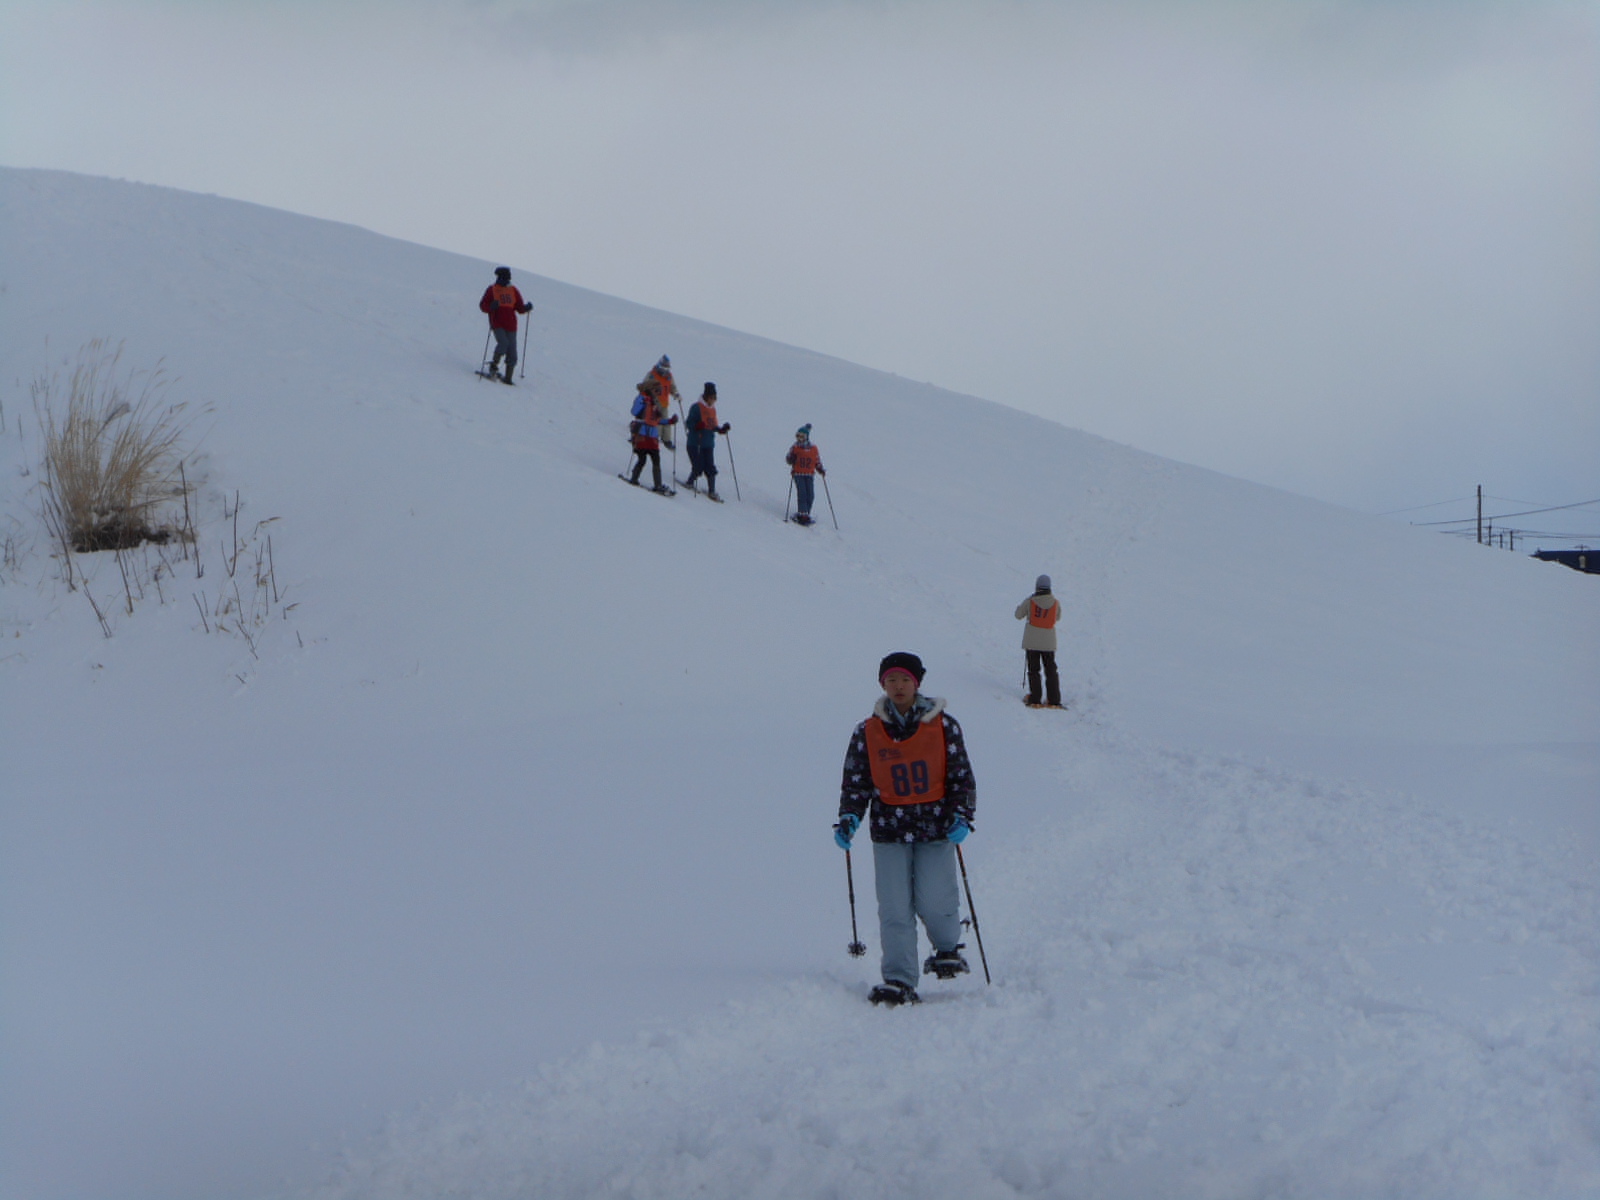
1298	899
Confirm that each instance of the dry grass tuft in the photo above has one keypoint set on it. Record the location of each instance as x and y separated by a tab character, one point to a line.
113	460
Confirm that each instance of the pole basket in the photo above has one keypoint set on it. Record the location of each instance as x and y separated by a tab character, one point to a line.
856	947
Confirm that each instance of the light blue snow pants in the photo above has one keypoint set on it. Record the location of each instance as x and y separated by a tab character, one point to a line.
915	879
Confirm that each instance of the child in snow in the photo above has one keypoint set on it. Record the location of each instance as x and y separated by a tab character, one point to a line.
646	431
703	430
503	302
804	460
1042	610
908	765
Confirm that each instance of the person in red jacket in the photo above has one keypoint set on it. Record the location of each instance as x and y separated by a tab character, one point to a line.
503	302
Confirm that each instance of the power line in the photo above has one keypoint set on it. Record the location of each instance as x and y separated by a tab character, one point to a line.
1552	508
1503	516
1420	507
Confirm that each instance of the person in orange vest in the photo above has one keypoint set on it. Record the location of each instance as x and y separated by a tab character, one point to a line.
503	302
805	461
907	766
645	431
1041	610
666	391
703	430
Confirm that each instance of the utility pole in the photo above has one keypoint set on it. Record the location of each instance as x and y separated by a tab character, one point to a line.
1480	514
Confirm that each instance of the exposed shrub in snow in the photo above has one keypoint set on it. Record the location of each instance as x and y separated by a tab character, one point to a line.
117	477
112	459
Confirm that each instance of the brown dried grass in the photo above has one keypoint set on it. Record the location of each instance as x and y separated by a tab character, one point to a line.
113	458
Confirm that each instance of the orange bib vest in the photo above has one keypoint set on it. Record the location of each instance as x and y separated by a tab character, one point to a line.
708	415
806	459
504	297
1043	618
908	772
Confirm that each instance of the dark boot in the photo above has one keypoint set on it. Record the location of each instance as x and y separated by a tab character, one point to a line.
946	964
893	994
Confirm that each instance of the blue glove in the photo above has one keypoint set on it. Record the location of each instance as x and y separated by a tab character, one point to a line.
958	832
845	830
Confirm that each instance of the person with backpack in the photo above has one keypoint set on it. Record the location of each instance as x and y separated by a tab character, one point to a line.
665	391
805	462
503	302
907	767
703	429
645	430
1042	610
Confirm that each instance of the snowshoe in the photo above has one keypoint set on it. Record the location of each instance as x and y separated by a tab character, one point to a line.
714	496
946	964
1031	703
893	994
663	490
801	518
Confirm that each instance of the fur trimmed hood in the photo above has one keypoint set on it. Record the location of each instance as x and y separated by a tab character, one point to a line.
926	708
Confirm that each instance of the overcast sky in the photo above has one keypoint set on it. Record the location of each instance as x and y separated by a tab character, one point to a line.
1351	249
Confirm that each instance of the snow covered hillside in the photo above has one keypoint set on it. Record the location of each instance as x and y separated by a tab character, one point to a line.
501	865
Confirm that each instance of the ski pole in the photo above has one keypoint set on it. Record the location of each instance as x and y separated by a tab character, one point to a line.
734	467
483	363
632	451
683	421
829	495
857	947
787	498
525	330
976	932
